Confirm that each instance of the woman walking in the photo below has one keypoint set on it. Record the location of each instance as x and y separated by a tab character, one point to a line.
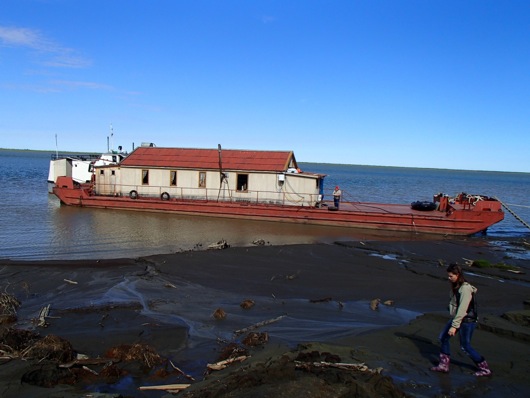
463	309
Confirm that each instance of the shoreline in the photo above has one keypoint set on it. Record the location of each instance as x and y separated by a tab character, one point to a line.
168	300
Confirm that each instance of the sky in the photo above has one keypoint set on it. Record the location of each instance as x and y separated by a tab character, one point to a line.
412	83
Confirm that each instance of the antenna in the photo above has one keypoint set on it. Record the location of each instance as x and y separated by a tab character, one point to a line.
111	136
56	147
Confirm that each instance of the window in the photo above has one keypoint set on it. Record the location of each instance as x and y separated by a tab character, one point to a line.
202	179
173	178
242	182
102	172
113	172
145	177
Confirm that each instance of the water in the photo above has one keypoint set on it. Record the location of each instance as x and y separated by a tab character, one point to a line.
35	226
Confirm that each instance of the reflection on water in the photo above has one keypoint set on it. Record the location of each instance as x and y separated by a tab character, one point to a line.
102	233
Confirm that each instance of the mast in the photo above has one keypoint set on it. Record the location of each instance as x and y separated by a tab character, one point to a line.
111	137
222	175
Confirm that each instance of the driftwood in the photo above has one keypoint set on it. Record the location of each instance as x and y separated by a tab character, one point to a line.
374	304
222	244
223	364
43	315
290	277
166	387
181	372
321	300
259	324
87	361
361	367
90	370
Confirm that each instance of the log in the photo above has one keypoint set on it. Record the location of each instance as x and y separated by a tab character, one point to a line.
168	387
181	372
90	370
259	324
321	300
87	361
361	367
223	364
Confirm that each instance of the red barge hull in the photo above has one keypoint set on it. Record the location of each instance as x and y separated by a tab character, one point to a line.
463	217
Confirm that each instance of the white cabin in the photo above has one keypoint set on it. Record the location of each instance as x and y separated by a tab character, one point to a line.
271	177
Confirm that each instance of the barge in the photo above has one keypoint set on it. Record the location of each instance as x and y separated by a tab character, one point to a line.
260	185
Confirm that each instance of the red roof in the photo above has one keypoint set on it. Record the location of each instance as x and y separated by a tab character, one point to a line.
188	158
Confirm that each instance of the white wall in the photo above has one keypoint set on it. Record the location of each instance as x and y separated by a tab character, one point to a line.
296	189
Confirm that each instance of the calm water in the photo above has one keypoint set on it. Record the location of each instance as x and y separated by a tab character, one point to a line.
35	226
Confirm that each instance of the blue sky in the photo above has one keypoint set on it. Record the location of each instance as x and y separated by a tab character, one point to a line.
425	83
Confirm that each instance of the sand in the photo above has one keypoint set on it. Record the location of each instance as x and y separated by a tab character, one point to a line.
328	301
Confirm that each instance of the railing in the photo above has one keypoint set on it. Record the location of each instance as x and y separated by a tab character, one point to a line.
56	156
211	194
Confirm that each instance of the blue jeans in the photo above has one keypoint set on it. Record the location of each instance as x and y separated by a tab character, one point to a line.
465	332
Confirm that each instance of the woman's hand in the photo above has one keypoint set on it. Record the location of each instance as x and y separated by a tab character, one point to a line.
451	332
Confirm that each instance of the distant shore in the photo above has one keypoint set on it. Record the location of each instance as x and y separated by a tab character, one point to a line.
167	302
45	151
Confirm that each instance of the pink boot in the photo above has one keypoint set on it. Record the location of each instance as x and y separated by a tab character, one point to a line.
443	366
484	369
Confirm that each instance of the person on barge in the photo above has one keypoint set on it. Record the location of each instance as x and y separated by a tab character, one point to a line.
336	197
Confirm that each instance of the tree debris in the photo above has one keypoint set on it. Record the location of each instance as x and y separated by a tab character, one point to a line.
87	361
8	304
254	339
258	325
219	313
136	352
246	304
51	347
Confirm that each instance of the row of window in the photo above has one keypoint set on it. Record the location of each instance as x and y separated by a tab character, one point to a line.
241	181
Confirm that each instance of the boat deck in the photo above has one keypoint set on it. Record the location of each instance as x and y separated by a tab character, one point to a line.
461	218
377	208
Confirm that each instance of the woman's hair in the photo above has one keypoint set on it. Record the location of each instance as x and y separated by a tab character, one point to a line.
456	269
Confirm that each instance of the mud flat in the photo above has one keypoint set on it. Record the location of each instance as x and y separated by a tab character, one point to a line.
319	320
